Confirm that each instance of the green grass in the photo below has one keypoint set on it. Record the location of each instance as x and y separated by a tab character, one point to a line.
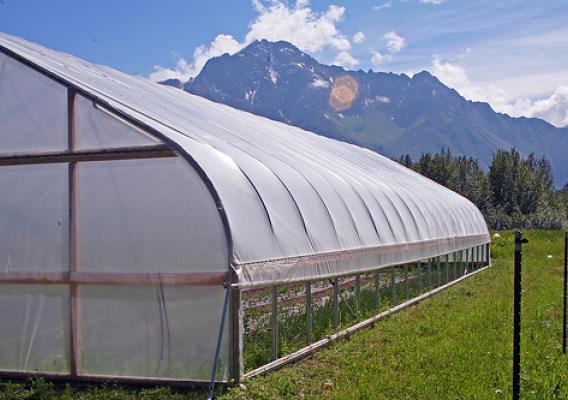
456	345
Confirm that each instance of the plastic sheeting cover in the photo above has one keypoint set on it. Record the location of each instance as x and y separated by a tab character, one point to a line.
150	215
34	218
152	331
298	205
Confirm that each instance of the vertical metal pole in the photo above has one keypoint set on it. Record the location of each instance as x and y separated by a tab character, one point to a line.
406	287
455	265
274	322
565	292
447	268
430	274
517	316
358	290
335	304
309	313
377	291
219	342
393	286
438	272
74	290
466	266
236	329
419	276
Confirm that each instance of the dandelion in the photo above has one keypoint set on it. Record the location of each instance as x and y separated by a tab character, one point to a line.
549	256
496	236
498	391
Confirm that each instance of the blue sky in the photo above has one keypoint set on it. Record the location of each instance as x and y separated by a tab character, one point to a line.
513	54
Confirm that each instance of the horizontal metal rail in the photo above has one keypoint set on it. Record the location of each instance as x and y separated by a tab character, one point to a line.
125	153
104	379
111	278
308	350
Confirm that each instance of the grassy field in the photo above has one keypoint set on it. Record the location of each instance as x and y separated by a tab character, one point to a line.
456	345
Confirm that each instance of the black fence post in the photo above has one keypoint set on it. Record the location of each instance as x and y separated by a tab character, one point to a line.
519	241
565	292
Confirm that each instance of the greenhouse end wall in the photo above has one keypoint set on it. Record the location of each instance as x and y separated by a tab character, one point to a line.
113	255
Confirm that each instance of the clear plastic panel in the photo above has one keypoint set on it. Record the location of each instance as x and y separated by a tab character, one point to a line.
152	331
33	110
153	215
34	334
34	221
97	129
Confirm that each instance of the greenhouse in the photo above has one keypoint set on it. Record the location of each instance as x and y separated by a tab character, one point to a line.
150	235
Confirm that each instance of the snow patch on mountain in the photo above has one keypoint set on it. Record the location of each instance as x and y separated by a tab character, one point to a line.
319	83
273	75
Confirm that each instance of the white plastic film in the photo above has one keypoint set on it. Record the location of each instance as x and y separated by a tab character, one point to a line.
34	334
98	129
33	110
150	215
34	221
152	331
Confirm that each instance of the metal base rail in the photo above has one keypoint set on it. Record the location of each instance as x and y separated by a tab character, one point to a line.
308	350
135	381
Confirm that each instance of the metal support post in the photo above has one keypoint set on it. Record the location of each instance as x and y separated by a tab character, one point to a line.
438	272
335	304
358	290
406	286
393	286
309	313
519	241
274	322
565	292
377	291
419	277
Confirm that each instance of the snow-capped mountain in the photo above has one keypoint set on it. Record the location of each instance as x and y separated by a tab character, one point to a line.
390	113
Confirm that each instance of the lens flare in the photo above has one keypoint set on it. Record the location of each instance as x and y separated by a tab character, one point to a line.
343	93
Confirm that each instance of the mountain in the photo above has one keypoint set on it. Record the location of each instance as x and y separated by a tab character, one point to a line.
390	113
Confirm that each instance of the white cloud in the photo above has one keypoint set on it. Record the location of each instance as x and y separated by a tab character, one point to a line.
311	31
184	70
380	7
395	43
359	37
553	109
379	58
308	30
346	60
435	2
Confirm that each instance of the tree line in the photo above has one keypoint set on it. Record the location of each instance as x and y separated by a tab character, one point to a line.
516	192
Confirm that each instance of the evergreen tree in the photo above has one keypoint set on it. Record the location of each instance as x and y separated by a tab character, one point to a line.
517	192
